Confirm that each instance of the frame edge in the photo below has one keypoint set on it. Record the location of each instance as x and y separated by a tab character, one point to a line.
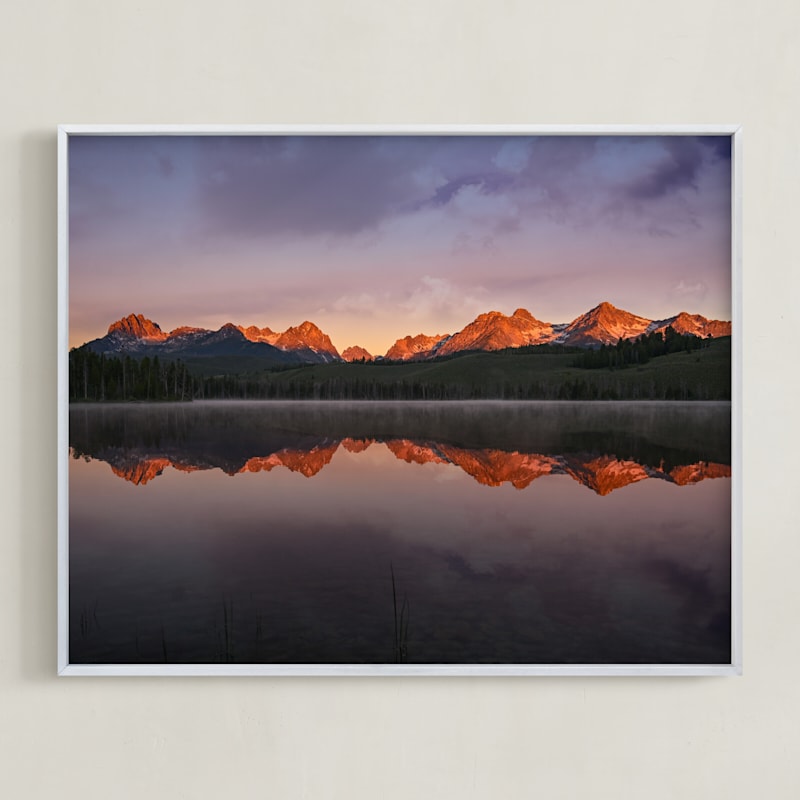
64	668
63	402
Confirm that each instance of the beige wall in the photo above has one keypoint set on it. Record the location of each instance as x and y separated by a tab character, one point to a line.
456	61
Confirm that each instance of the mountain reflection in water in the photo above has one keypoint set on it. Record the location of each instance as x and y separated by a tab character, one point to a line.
600	472
593	449
246	560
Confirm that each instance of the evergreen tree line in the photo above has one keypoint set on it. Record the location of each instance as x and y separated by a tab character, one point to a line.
96	376
629	352
597	388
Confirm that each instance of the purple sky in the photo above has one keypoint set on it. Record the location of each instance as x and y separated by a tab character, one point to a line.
374	238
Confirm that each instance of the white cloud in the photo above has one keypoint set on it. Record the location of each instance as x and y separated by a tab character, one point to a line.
693	290
363	303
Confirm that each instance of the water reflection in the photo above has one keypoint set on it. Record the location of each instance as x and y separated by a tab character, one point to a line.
140	444
602	473
271	533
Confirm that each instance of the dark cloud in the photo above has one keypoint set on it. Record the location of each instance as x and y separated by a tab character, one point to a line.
720	146
487	182
672	187
575	182
308	185
349	184
678	169
300	186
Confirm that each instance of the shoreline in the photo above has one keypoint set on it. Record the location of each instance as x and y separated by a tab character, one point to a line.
420	403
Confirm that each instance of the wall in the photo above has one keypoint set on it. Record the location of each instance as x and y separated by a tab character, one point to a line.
450	61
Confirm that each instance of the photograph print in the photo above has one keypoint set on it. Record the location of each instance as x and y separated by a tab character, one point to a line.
397	403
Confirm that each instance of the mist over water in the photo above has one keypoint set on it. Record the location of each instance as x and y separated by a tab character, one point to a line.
514	532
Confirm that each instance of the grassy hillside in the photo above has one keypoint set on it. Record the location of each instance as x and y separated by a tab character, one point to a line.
699	375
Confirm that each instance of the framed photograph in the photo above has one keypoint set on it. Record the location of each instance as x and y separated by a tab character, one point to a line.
399	400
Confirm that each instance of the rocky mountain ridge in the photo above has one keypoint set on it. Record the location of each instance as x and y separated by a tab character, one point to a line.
308	344
603	324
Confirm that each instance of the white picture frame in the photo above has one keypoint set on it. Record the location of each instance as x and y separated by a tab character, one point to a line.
67	133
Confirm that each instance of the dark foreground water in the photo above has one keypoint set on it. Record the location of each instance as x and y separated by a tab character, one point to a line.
381	533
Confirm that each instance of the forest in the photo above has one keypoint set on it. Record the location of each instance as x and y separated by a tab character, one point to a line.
99	377
630	352
652	367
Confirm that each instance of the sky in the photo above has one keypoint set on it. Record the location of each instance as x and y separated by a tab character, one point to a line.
377	237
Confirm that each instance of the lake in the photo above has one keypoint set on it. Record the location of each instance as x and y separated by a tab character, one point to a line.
358	533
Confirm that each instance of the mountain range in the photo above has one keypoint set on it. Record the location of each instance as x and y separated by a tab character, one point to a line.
602	473
138	336
307	344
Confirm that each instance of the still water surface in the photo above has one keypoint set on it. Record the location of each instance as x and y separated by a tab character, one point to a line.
381	533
